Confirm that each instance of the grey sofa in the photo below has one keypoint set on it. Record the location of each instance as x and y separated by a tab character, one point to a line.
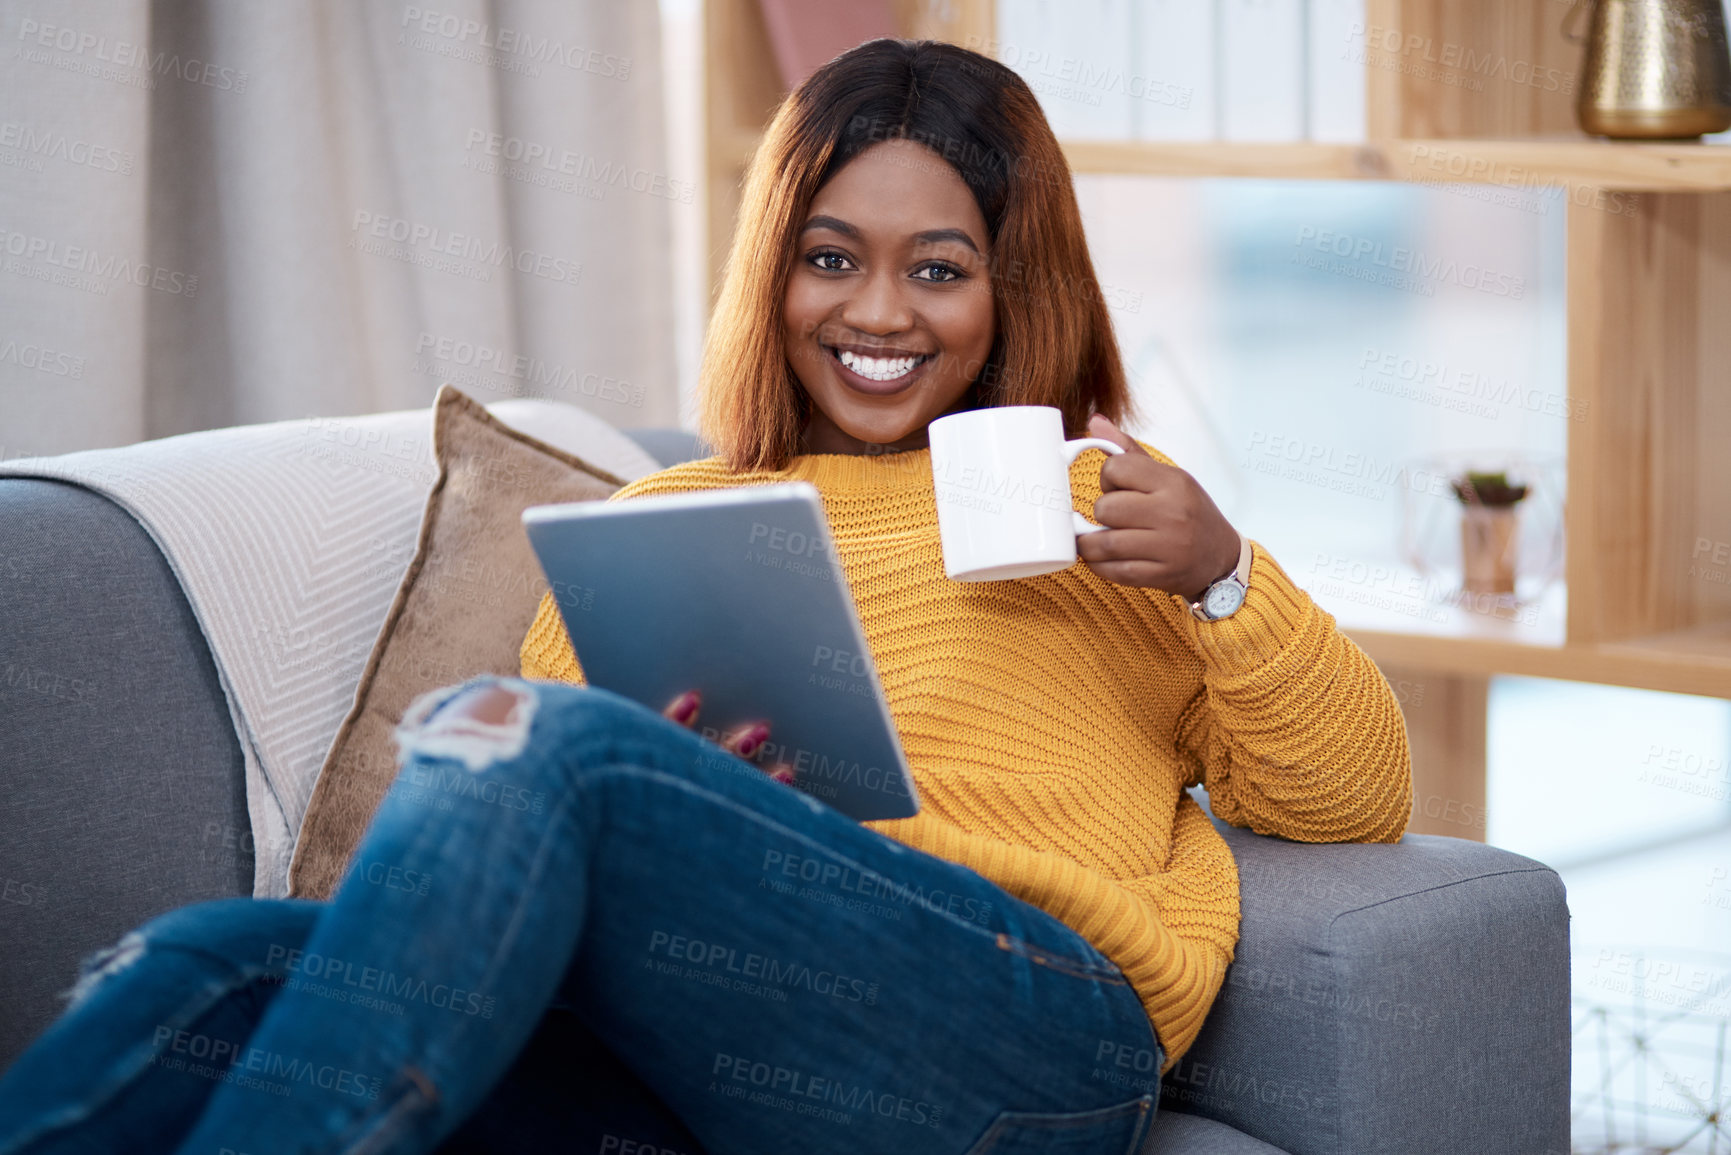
1407	998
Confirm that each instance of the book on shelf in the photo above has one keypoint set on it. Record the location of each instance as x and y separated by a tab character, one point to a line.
1174	56
1190	70
1334	51
1076	56
1259	47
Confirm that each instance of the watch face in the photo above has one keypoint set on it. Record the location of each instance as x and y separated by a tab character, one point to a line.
1222	598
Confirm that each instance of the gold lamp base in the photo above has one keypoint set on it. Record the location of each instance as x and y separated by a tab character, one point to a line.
1669	124
1655	70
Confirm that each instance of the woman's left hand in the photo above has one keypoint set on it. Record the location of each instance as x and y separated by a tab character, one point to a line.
1165	532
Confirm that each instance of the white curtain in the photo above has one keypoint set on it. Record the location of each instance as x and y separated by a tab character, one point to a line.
214	213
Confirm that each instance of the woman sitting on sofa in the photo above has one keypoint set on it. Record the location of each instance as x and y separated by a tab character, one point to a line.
676	953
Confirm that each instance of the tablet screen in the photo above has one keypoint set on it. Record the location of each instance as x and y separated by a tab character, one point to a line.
739	594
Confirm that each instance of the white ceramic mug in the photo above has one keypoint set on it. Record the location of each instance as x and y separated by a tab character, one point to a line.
1002	482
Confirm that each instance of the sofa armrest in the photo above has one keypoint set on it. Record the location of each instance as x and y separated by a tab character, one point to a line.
1410	997
122	789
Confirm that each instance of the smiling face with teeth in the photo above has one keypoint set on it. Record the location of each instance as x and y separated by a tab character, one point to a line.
888	313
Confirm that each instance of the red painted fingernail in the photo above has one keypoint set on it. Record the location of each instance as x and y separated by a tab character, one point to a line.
753	738
685	707
785	774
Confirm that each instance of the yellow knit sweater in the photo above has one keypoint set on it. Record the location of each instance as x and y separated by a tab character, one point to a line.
1053	723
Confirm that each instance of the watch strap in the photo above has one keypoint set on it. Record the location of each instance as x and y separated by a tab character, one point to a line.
1245	555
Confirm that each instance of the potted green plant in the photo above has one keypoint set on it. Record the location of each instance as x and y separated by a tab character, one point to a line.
1489	522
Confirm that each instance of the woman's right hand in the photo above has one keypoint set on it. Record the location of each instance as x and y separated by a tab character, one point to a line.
743	740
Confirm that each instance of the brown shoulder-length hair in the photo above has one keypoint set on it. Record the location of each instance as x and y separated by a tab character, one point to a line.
1053	345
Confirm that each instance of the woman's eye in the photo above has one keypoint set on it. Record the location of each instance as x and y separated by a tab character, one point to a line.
939	273
830	262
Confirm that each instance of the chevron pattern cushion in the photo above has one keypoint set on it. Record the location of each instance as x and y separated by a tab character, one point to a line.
462	609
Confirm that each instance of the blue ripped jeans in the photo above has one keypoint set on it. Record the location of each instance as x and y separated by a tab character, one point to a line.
587	928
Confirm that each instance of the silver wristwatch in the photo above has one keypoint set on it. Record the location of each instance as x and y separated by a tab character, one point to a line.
1222	599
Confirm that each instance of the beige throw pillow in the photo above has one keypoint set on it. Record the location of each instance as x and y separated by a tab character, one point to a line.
467	600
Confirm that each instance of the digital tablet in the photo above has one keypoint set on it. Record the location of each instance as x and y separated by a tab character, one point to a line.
739	594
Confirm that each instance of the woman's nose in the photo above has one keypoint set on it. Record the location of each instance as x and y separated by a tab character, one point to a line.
878	305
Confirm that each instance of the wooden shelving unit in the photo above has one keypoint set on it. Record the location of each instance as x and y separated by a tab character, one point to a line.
1649	338
1572	164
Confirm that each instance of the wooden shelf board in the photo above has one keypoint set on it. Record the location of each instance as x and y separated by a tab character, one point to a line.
1520	163
1517	164
1710	644
1409	604
1696	661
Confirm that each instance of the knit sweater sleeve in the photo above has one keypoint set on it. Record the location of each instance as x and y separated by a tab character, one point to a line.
547	653
1297	732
